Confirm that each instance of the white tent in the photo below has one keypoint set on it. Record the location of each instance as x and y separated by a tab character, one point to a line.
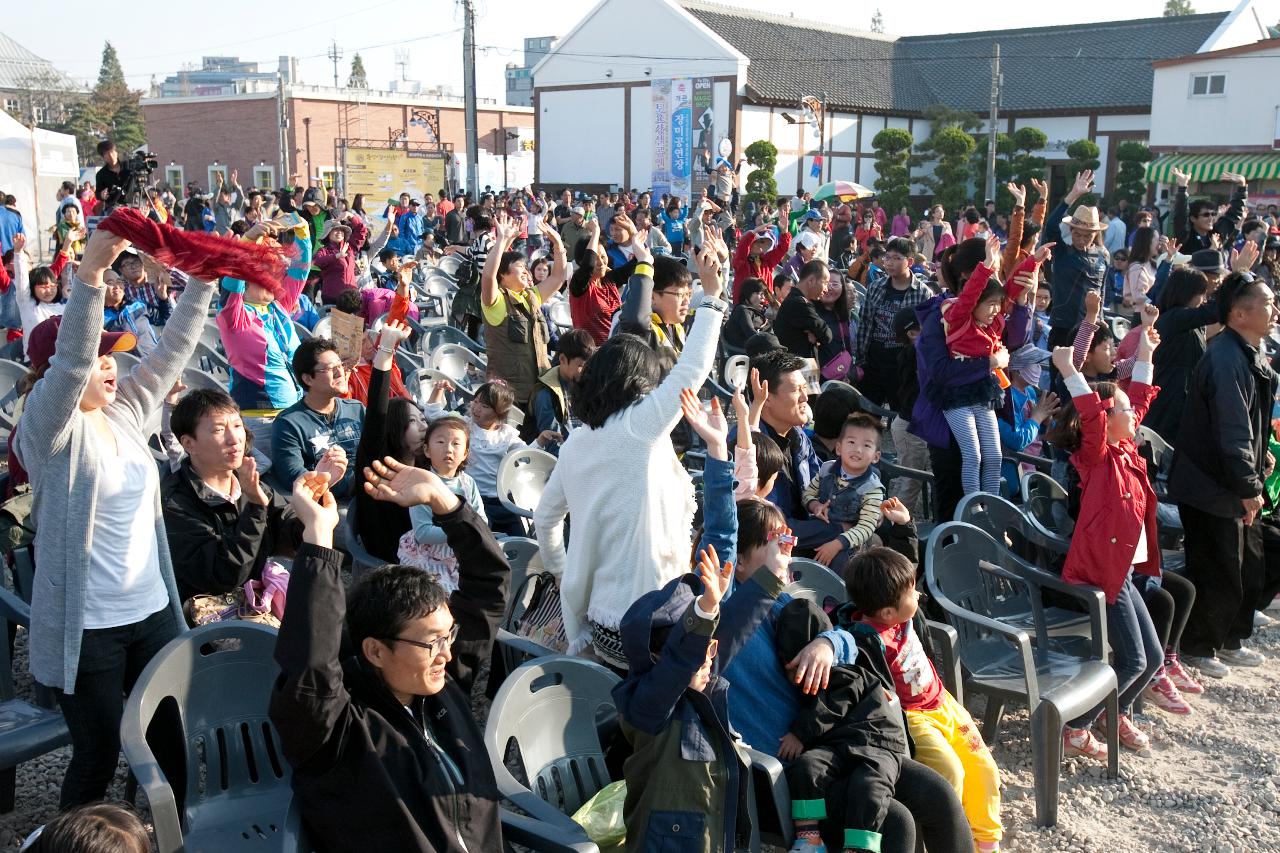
33	164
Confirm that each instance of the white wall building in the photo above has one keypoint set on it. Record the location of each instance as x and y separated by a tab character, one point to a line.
594	98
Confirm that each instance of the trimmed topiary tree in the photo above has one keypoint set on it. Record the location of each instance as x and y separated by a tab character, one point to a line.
1084	155
893	170
1131	176
761	184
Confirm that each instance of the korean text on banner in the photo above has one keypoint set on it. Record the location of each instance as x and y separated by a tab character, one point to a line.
660	181
682	137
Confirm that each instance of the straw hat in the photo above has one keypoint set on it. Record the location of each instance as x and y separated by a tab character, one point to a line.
1086	219
334	225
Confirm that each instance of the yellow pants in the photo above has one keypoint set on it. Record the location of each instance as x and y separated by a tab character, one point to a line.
948	740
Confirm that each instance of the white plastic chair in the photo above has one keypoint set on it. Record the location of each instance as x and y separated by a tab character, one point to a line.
560	314
737	368
522	476
460	364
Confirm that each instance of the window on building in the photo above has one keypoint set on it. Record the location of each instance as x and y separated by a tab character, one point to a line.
214	171
1204	85
328	176
174	177
11	105
264	177
40	114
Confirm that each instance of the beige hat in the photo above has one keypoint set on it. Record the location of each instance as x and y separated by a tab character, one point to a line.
1086	219
332	225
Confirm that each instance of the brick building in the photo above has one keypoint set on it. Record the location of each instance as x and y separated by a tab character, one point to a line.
193	137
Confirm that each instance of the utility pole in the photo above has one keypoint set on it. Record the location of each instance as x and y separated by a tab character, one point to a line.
335	54
469	87
283	118
991	125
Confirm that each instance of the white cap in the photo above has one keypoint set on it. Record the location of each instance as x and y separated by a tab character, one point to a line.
808	239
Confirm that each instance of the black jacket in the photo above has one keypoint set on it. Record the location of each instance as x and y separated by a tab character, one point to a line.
216	545
369	775
1182	345
1226	226
744	322
378	523
796	316
1222	444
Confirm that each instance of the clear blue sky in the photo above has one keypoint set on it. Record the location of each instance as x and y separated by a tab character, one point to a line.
159	40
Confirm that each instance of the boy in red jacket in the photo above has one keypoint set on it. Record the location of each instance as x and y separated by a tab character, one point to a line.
758	252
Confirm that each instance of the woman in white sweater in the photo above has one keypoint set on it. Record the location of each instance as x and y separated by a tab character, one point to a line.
619	479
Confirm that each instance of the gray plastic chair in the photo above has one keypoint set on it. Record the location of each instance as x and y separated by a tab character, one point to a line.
461	365
551	710
814	582
521	552
26	731
208	691
1046	504
209	360
437	335
890	471
421	382
11	374
362	562
193	378
561	316
448	265
522	476
971	576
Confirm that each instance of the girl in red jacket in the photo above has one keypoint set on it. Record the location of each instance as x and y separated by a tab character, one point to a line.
974	324
1116	529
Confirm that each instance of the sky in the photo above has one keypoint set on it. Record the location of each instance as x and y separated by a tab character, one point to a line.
158	43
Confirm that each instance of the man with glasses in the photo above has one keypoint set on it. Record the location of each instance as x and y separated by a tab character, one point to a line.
1218	473
385	750
1198	231
323	424
878	345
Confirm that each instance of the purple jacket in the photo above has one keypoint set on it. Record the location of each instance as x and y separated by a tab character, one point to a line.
934	364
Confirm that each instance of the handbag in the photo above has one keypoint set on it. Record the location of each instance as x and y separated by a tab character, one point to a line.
839	367
541	619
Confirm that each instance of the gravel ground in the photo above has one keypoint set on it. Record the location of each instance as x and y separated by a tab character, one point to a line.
1210	782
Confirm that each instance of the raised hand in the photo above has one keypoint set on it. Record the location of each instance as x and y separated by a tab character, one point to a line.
715	579
505	227
316	508
175	394
1244	259
392	334
1083	184
640	248
712	426
1062	360
1018	192
553	238
251	481
392	481
993	252
1092	305
1046	408
1180	177
1044	253
1147	343
1041	188
1150	313
99	253
1235	178
895	511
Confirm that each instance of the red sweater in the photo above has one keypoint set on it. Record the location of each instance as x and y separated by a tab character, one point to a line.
593	311
965	338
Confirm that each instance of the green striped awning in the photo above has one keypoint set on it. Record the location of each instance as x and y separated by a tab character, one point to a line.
1208	167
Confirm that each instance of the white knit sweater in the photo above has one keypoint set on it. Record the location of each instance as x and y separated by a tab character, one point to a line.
630	499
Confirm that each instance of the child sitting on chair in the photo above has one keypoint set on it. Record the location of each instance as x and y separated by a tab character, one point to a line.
882	586
848	490
848	729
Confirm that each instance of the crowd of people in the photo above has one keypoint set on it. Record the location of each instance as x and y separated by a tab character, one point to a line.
1069	334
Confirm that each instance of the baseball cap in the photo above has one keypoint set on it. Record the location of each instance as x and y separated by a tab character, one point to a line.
413	202
812	214
44	339
578	209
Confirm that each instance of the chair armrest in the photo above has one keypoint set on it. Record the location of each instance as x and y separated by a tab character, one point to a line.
1040	463
541	837
14	609
557	823
1016	636
1090	596
765	766
946	640
523	645
145	768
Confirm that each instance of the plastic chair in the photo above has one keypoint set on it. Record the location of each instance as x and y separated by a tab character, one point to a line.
11	374
207	691
26	731
561	317
421	383
972	577
522	475
1120	326
362	562
209	360
304	334
737	370
814	582
460	364
193	378
448	265
890	471
1046	504
551	710
521	554
211	336
437	335
437	297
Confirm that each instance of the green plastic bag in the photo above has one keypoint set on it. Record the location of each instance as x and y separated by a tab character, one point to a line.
601	817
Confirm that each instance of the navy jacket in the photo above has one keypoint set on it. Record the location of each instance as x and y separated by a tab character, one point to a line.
1074	272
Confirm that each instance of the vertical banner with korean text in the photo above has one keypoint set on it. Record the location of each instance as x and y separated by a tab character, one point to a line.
682	137
660	181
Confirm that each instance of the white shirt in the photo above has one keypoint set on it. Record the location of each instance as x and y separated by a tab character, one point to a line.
124	584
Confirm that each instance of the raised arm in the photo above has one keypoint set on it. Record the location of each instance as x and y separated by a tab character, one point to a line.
1014	241
559	270
1088	326
506	231
1093	417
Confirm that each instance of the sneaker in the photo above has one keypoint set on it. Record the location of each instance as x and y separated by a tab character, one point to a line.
1209	666
1082	742
1181	678
1163	693
1241	657
806	845
988	847
1131	737
1262	620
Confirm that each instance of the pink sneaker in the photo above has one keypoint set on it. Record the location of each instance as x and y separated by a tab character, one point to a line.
1163	693
1180	677
1131	737
1082	742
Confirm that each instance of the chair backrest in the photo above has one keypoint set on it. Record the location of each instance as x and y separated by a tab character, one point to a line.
448	265
207	691
460	364
1161	450
1005	522
561	316
1046	503
549	709
193	378
422	382
956	579
211	336
522	476
442	334
520	552
1119	327
11	374
737	368
814	582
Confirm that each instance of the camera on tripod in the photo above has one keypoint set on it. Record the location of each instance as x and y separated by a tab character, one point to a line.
135	176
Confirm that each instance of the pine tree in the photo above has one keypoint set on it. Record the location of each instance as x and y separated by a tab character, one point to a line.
1177	8
111	74
115	112
761	184
877	22
893	174
358	78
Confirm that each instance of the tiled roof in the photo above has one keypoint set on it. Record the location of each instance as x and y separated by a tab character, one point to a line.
22	69
1105	65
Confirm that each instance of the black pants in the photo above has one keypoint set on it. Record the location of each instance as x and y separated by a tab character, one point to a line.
1224	561
1169	604
501	519
879	382
870	773
947	464
111	659
1271	563
921	797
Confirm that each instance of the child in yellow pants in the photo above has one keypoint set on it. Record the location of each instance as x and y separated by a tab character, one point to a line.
882	584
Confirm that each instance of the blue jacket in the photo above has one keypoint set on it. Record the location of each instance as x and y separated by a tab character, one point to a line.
788	489
300	436
1074	272
409	240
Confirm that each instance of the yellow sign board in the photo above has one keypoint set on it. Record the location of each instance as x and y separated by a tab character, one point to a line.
382	173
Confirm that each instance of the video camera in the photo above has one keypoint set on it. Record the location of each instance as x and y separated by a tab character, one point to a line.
134	178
